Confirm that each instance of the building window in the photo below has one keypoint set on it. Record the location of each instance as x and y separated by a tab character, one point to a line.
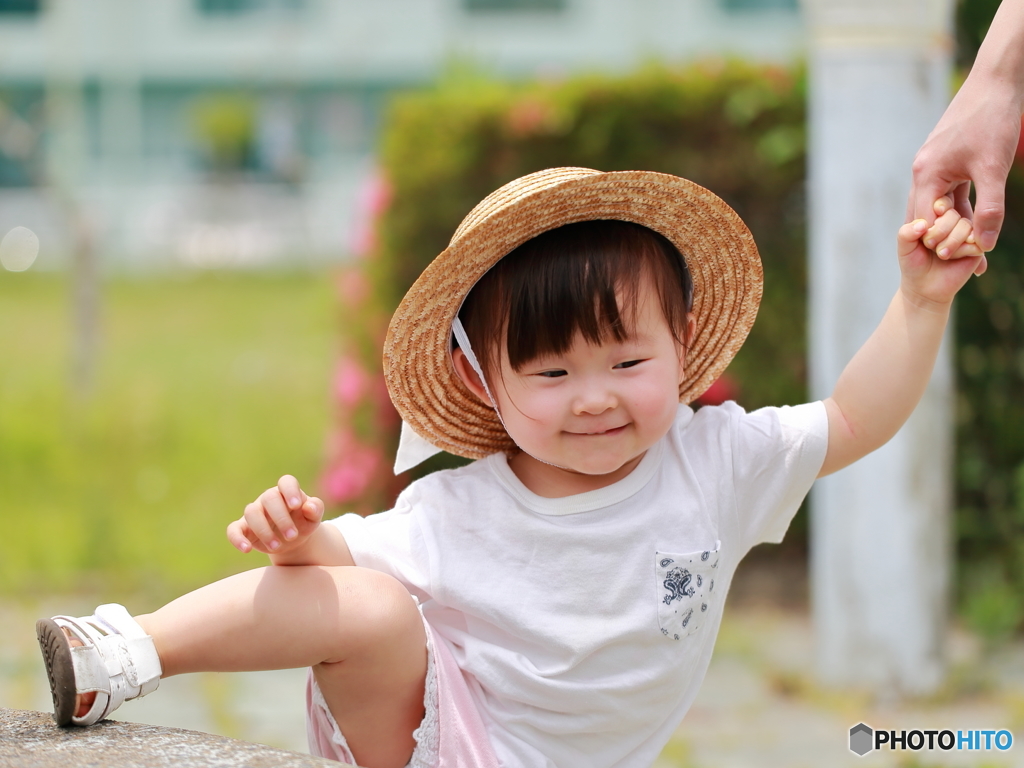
227	6
514	5
25	7
759	5
239	7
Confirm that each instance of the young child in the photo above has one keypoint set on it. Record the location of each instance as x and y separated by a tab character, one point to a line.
556	602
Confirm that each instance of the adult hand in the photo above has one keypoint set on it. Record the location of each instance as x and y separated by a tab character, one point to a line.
974	141
977	136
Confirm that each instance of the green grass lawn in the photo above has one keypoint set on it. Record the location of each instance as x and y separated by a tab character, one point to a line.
208	387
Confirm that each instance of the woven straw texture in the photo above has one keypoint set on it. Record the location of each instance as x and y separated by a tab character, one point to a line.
718	248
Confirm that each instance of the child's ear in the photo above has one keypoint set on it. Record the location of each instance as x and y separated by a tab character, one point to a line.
691	324
469	377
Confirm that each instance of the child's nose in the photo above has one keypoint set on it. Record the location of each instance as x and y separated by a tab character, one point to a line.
594	400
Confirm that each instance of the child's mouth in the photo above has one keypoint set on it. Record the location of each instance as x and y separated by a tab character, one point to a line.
600	433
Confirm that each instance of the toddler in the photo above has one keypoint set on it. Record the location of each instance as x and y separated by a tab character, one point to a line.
556	602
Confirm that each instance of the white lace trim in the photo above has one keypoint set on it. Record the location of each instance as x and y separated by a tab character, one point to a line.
428	735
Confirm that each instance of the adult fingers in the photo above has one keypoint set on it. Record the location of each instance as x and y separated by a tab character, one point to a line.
928	185
919	202
989	209
962	200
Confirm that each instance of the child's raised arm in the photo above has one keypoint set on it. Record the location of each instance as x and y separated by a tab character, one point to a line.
284	523
884	381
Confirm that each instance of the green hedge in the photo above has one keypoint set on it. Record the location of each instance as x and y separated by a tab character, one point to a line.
990	432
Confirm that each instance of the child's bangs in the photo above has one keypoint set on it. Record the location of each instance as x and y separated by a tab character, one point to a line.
580	279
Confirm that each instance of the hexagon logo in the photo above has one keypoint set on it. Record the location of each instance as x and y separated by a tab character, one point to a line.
861	738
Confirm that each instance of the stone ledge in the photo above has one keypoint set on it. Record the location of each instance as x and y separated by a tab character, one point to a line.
32	740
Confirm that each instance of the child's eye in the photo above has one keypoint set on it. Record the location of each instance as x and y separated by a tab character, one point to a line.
629	364
552	374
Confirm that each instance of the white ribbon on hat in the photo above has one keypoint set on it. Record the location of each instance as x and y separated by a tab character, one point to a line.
413	449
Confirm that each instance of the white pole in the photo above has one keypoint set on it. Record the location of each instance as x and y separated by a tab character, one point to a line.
880	530
66	169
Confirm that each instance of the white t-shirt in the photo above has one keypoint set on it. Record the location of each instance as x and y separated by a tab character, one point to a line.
585	624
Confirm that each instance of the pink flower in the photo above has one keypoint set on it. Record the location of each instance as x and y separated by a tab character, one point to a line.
351	381
351	474
372	201
723	389
353	288
527	117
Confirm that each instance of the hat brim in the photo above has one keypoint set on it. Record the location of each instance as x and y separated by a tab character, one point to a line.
719	250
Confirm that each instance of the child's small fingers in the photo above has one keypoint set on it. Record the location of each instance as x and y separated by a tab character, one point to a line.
967	250
954	239
982	266
237	536
913	230
277	510
941	229
942	205
313	509
290	491
259	524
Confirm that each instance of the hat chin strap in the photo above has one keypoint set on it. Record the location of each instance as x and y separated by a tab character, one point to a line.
413	449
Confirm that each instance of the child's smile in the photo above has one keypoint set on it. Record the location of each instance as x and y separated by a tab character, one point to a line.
585	418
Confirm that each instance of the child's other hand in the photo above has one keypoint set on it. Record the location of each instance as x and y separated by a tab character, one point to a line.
279	521
937	261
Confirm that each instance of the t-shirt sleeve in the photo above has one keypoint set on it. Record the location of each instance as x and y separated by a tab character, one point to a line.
389	542
777	453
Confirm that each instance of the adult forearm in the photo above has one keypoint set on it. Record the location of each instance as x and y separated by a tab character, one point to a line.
326	546
882	384
1000	60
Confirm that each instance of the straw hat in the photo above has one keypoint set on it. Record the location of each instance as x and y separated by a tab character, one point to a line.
718	248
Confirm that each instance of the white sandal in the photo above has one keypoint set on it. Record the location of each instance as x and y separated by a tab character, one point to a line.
117	660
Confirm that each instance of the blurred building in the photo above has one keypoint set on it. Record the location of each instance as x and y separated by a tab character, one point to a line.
222	132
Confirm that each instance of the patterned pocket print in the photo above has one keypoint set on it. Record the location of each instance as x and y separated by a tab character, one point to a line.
686	587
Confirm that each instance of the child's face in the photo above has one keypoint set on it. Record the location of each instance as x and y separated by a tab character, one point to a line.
593	411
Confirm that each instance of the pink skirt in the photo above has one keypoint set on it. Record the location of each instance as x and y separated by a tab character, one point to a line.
452	734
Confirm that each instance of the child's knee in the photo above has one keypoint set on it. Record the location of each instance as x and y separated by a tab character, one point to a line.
381	609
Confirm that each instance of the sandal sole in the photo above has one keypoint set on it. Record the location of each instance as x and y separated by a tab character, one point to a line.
56	650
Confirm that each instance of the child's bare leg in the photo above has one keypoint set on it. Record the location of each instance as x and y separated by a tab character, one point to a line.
357	628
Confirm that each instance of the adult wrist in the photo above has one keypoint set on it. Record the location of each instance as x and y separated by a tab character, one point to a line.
1000	60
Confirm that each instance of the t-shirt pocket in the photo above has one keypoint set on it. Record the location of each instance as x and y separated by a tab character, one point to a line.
686	588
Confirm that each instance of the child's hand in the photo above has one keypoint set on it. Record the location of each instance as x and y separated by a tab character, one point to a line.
279	521
936	262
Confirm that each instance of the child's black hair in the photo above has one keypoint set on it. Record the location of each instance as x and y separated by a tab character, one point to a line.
566	282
